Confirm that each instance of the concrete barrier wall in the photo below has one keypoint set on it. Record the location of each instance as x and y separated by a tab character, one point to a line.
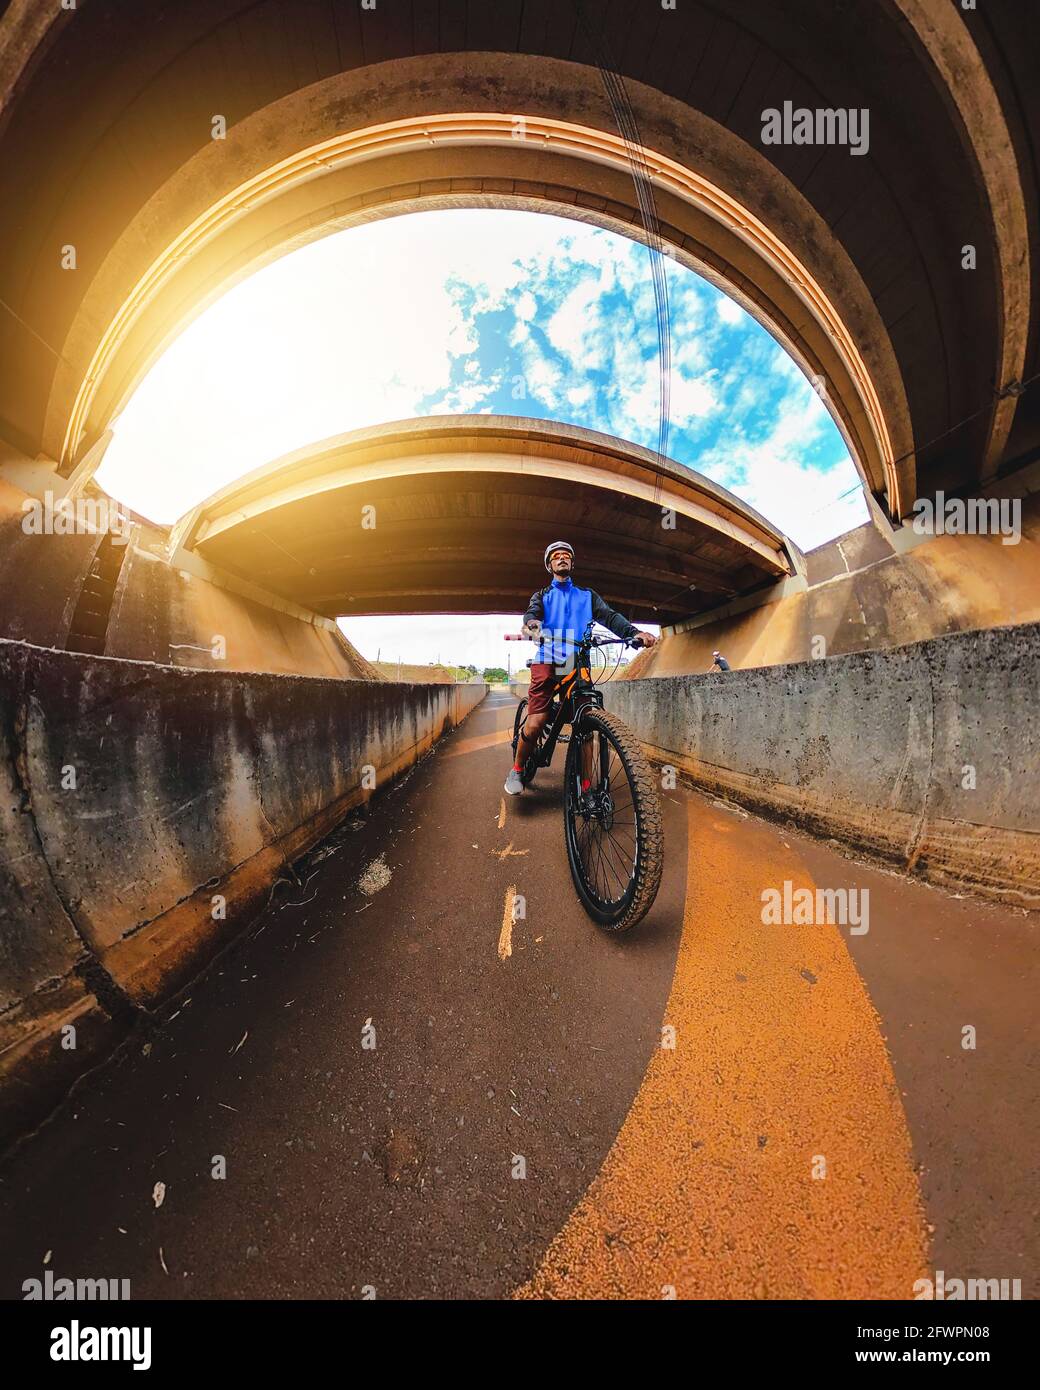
946	584
134	795
158	612
40	575
922	756
164	614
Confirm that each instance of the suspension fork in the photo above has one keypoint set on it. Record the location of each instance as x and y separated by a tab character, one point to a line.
590	744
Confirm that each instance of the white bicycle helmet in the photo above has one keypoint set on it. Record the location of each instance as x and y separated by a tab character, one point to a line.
557	545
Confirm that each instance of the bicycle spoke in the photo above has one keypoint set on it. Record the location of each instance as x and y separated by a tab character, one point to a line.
602	876
609	866
626	864
607	859
608	872
612	821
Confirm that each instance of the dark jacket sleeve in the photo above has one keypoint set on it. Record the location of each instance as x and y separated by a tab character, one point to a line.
536	608
603	613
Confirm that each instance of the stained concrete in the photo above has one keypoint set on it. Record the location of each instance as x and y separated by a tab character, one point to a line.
923	755
862	594
137	792
40	575
162	613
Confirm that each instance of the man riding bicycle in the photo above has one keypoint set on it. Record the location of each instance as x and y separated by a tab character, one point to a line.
564	611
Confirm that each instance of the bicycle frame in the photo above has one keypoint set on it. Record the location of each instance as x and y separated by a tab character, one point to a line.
568	709
581	693
611	809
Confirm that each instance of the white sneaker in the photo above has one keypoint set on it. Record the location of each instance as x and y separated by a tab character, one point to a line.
514	783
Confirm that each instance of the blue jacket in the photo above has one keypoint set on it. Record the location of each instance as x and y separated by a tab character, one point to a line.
566	611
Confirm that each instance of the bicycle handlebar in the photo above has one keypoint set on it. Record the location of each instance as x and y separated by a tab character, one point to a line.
551	638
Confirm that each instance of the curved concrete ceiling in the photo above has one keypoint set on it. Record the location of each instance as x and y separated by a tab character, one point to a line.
854	262
436	161
452	515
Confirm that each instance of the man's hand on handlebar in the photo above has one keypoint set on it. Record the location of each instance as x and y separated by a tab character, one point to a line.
532	628
643	639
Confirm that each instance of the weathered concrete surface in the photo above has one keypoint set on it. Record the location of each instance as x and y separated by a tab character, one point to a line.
946	584
158	613
43	960
137	794
924	756
171	616
40	576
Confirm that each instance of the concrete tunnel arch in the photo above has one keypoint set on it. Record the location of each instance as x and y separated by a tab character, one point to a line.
945	354
461	504
436	160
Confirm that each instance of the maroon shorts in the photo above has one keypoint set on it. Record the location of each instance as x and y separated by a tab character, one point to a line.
543	683
545	679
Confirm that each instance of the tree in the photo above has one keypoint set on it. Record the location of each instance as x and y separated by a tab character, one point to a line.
495	675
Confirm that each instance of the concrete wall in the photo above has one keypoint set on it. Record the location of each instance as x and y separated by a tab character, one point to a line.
40	576
873	751
187	784
169	615
159	613
945	584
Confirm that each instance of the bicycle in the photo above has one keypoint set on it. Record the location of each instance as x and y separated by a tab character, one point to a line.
611	808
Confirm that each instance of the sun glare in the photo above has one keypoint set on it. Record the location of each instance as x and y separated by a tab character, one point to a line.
484	310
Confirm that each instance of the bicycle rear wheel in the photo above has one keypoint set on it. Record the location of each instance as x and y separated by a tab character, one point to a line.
531	766
518	720
612	821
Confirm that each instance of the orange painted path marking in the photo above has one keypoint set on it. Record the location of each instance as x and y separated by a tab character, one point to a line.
779	1062
479	741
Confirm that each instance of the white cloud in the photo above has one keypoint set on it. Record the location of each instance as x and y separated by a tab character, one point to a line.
526	306
729	311
575	330
773	474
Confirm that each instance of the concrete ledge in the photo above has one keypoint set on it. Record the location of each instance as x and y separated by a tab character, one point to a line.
878	750
185	785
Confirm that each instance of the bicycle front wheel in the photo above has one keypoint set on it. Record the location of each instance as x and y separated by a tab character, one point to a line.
612	821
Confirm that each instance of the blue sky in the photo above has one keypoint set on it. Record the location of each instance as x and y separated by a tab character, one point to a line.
571	334
479	310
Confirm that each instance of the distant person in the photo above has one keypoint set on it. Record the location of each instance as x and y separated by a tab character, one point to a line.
560	607
719	662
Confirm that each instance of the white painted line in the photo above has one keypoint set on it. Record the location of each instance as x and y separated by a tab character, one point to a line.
505	936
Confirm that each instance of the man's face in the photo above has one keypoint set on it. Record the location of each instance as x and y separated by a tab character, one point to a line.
560	563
